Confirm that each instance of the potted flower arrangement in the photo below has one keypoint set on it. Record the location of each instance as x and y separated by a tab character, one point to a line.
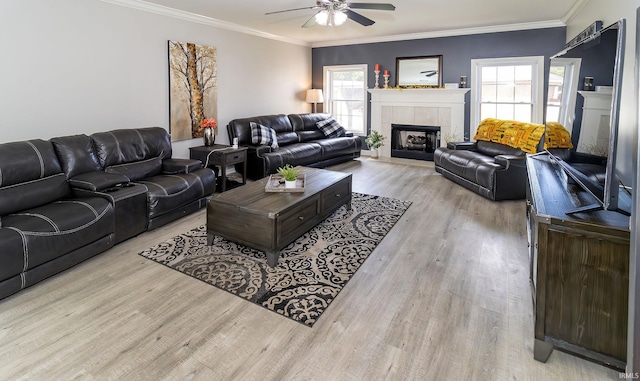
208	131
290	175
374	141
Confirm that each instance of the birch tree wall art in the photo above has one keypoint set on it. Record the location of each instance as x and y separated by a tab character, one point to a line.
193	88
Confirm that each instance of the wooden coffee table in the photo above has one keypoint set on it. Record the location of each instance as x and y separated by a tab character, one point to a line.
269	221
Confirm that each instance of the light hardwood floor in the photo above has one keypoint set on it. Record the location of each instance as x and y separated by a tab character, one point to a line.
445	296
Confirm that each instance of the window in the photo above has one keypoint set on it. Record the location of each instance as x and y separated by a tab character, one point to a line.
345	89
563	87
507	88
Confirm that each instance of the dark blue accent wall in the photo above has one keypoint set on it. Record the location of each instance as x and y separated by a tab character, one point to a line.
457	52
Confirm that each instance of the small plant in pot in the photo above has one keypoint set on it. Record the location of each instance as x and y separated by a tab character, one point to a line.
290	175
375	140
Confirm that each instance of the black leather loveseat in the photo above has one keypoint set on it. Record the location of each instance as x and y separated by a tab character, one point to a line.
299	141
493	170
488	166
70	198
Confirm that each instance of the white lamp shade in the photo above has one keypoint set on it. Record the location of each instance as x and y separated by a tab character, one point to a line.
339	18
314	96
330	17
322	17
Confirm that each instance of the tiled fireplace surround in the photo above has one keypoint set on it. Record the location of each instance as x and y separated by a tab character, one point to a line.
424	107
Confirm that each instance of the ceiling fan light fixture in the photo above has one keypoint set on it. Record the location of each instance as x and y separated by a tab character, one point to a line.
322	17
339	18
330	17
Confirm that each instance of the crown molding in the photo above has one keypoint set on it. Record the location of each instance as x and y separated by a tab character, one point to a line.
444	33
192	17
577	7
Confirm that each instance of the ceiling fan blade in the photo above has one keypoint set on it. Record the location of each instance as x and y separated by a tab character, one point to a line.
376	6
360	19
311	22
289	10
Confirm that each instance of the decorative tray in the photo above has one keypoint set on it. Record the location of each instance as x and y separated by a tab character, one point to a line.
276	184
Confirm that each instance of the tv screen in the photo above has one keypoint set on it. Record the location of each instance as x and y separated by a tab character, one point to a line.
584	87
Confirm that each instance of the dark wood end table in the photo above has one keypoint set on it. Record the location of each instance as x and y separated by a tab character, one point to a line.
221	155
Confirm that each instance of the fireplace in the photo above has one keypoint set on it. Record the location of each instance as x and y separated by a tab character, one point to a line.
414	142
420	107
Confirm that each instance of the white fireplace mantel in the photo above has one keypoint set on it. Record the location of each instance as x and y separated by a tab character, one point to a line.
429	107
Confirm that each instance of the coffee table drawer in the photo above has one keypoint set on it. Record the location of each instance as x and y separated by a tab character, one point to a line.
335	196
297	221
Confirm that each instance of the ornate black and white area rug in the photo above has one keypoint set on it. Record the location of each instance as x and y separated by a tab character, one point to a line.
311	271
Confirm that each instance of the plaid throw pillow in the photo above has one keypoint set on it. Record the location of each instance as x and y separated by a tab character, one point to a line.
331	128
263	135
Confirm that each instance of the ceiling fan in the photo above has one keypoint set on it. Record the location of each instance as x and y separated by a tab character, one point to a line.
336	12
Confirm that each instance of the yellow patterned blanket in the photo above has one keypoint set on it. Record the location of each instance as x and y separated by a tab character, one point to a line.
521	135
556	136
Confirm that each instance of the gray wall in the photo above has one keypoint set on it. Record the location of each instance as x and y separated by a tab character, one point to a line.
83	66
457	52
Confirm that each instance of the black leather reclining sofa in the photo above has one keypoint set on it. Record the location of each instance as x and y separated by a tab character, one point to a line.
70	198
300	142
493	170
498	171
494	165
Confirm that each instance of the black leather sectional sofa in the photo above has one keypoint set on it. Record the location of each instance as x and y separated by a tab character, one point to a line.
300	142
70	198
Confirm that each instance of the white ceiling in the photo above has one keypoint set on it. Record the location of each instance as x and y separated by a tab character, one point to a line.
411	19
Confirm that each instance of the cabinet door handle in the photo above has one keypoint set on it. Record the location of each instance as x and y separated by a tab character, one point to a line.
338	194
301	218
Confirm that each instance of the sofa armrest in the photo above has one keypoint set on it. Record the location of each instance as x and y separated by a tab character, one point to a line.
260	149
508	161
171	166
469	146
97	180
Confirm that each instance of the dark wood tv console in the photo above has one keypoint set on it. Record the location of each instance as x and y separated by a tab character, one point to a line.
579	270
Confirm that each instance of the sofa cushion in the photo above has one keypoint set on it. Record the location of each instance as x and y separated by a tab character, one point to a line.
131	145
494	149
284	138
311	135
331	128
30	194
137	170
166	193
30	176
294	154
57	228
27	160
306	122
471	165
337	146
10	253
263	135
241	128
76	154
521	135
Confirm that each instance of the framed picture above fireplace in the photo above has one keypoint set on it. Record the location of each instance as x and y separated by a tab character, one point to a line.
417	72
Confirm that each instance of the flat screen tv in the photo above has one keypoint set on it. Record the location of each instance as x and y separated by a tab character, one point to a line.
584	96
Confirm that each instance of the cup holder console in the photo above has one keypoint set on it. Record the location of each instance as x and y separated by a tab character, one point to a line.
119	186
